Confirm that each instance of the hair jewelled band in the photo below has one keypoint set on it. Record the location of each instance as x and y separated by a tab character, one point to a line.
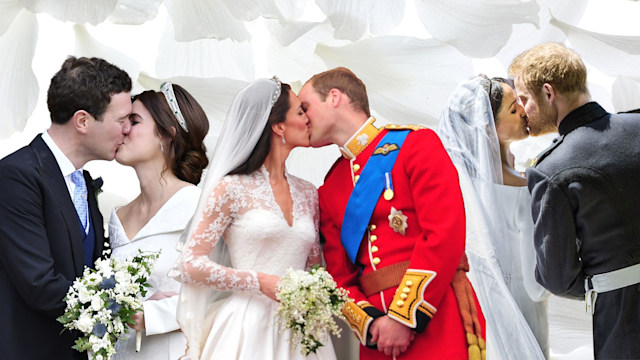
167	90
276	95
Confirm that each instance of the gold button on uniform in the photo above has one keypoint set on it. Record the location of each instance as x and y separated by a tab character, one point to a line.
376	260
409	283
373	238
406	290
372	227
355	178
400	303
374	249
403	296
356	167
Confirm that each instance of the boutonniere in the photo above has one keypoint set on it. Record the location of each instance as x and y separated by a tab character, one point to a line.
97	185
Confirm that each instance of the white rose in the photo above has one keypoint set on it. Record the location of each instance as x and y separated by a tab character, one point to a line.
84	323
84	295
97	303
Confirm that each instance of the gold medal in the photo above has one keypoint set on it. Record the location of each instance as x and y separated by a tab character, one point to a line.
388	194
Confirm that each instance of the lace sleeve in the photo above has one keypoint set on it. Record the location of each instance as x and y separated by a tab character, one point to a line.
222	206
315	253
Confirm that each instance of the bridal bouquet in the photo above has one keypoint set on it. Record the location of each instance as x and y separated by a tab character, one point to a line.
103	301
308	302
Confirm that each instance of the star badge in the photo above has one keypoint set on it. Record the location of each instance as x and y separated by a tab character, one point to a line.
397	221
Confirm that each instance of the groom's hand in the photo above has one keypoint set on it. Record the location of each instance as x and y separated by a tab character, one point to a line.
392	337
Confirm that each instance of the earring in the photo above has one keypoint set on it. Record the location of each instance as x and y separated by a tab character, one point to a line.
283	140
162	148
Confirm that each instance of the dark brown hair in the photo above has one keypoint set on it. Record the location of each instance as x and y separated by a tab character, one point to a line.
493	87
84	84
277	115
187	154
346	81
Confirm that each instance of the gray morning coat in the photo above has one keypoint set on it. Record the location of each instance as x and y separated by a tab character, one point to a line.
586	209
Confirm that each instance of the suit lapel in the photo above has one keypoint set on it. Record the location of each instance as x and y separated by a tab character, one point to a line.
54	180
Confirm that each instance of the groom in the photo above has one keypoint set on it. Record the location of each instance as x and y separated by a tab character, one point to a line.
50	225
585	196
392	215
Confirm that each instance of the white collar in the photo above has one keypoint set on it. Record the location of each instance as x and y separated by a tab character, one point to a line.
65	165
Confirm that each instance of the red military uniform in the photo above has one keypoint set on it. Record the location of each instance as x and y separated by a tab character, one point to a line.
422	226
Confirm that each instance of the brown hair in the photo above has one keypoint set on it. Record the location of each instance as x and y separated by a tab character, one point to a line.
84	84
550	63
186	156
346	81
277	115
493	87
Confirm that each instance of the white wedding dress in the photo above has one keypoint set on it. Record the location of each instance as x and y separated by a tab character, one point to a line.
242	209
515	204
162	338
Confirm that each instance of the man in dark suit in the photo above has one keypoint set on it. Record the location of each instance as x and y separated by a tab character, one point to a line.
584	196
50	225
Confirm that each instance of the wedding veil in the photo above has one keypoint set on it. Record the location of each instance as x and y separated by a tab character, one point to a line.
242	128
468	133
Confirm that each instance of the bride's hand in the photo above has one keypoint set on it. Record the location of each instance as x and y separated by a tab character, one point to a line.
139	319
268	284
162	295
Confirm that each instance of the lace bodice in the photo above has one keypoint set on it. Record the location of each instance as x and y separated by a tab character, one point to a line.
241	211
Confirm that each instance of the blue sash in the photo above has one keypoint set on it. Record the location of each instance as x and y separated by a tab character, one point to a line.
367	191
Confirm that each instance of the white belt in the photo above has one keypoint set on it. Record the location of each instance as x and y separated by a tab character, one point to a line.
609	281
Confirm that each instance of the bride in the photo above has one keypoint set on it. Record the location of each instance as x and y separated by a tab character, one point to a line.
165	148
254	221
480	121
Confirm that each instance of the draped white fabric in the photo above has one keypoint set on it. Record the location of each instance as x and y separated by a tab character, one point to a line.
19	87
450	21
134	12
77	11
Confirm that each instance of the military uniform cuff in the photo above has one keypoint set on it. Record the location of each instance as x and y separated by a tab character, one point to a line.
359	317
408	306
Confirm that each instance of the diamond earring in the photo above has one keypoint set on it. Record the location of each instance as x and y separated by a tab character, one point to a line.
283	140
162	148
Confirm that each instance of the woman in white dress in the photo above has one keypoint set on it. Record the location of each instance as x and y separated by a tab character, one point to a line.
165	149
254	222
481	120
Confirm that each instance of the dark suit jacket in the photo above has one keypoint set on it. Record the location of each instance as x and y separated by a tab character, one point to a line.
41	253
585	207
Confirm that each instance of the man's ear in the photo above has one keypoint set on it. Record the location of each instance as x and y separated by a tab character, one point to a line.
334	97
548	93
80	120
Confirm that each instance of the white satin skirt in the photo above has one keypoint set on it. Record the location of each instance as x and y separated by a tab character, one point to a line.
245	328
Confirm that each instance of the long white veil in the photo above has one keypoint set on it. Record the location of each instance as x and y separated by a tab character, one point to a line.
468	133
240	133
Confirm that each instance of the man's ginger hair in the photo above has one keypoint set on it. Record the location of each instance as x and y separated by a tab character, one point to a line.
551	63
347	82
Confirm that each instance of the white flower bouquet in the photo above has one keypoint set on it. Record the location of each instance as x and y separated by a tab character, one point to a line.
103	301
308	302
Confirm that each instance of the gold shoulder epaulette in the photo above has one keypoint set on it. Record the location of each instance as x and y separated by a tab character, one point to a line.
404	127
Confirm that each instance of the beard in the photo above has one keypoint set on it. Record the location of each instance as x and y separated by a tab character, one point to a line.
542	123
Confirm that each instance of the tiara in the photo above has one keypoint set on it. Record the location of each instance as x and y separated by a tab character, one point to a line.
167	90
276	95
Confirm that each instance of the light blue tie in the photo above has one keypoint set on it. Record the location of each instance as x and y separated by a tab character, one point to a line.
80	197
